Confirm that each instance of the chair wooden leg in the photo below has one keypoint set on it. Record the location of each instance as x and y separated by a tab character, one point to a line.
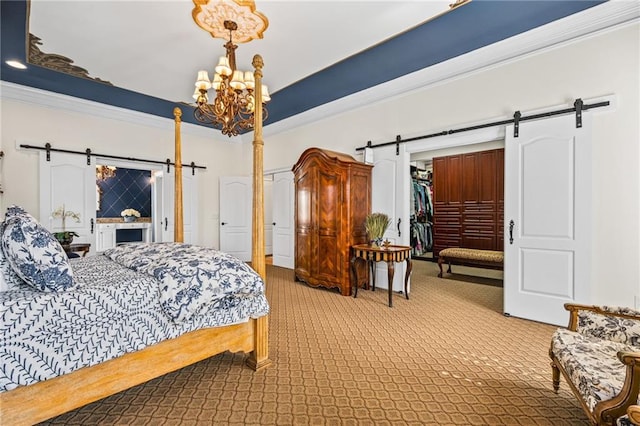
555	372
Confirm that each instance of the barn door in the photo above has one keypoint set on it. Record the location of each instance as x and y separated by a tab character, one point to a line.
547	218
189	206
67	180
390	195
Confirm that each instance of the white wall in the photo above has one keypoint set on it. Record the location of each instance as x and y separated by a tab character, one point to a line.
27	123
595	66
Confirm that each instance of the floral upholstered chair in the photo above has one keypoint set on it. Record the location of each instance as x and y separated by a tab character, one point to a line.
599	356
632	418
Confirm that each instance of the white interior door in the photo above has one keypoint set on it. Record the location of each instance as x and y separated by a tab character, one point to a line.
67	180
235	216
283	219
548	199
390	195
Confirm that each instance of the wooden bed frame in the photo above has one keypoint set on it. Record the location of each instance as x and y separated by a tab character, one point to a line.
44	400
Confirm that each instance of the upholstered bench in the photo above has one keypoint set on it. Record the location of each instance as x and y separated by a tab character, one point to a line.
599	356
470	257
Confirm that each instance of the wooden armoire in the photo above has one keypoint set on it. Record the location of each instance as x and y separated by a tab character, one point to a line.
468	201
332	199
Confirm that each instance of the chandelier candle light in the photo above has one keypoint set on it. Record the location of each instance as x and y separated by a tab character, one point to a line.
234	104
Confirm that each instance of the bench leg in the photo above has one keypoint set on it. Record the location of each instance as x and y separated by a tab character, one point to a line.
440	260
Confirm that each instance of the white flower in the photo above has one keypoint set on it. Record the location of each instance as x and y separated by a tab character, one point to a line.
130	212
63	214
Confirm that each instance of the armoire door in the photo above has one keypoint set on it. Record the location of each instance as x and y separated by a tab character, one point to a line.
327	207
548	218
304	210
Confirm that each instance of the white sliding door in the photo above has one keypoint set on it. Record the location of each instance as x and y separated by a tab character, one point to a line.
189	206
547	218
67	180
390	195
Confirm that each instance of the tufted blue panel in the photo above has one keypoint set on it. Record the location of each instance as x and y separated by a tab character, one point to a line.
129	188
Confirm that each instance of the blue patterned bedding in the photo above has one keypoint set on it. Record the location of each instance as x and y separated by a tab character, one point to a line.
114	309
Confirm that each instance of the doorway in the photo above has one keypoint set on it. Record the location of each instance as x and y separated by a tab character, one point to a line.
459	203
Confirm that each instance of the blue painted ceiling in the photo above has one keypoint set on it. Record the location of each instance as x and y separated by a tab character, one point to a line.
476	24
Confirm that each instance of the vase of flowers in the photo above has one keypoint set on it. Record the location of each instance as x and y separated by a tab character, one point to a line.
65	237
376	225
130	215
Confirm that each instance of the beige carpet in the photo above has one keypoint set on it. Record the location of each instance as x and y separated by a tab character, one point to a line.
447	356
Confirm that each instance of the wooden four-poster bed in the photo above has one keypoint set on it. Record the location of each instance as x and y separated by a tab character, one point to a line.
45	399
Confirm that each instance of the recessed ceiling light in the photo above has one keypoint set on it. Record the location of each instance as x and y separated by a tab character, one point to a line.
16	64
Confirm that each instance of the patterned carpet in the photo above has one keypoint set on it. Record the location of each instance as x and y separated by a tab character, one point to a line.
446	357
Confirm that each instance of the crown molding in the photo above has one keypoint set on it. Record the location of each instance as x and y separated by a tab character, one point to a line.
609	16
44	98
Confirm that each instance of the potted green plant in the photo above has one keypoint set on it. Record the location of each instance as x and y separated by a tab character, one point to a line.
66	237
376	225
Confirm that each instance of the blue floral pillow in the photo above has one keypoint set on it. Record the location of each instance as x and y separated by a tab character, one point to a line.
9	280
34	254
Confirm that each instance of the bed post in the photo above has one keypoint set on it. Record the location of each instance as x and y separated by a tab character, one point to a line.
178	230
259	358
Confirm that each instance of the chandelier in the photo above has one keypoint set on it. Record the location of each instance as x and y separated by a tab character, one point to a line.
105	172
234	102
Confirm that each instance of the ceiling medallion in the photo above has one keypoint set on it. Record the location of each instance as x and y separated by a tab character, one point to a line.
210	15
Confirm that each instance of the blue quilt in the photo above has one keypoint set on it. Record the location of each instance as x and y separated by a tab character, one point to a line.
115	309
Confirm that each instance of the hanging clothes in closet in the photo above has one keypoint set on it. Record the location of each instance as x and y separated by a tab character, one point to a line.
421	217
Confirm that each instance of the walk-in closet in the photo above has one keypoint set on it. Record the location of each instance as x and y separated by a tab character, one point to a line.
457	199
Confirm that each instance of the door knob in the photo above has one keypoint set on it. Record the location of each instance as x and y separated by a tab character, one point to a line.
274	224
223	223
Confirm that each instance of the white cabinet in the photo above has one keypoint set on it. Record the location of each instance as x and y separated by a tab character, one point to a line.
105	236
